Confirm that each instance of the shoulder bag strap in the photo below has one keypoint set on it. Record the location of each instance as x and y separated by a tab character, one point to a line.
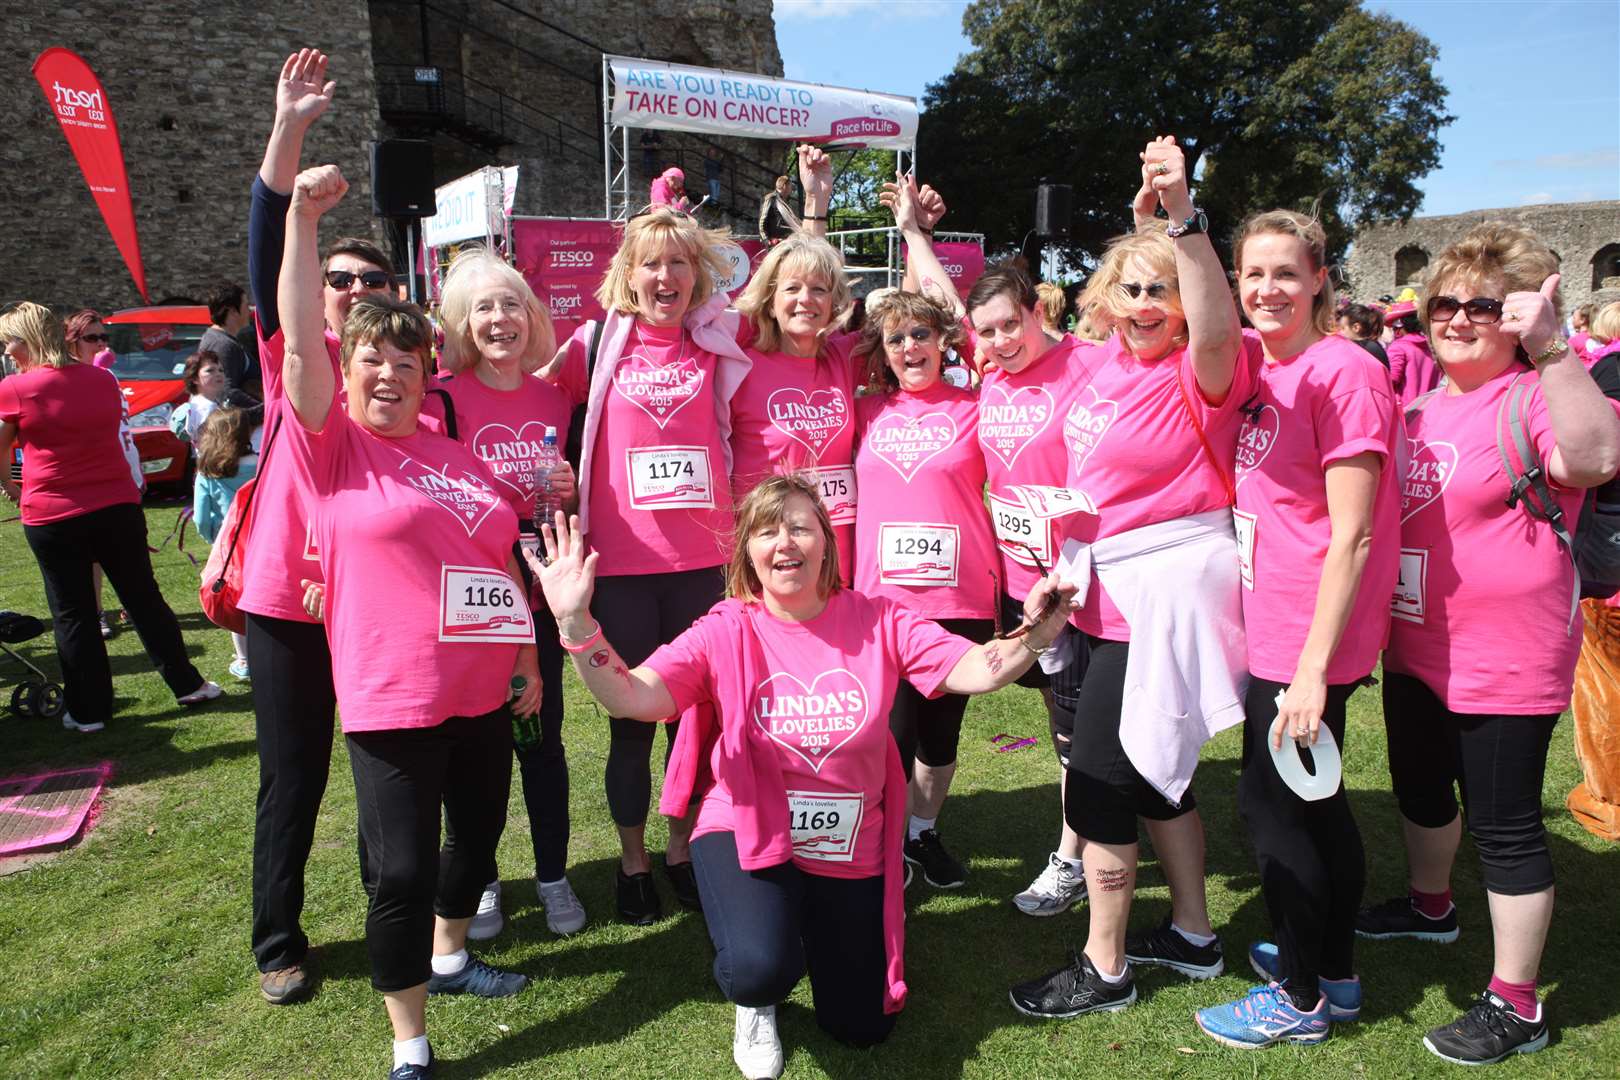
1203	440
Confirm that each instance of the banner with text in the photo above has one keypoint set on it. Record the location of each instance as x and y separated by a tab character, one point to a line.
675	97
963	261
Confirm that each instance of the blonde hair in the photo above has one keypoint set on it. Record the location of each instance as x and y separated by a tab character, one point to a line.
1051	304
765	507
225	437
1492	254
652	231
809	257
467	272
1149	244
1606	323
35	326
1089	328
1308	231
380	318
894	309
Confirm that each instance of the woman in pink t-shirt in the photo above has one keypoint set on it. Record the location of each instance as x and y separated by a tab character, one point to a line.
657	376
926	536
1486	630
428	622
784	754
1412	370
1318	517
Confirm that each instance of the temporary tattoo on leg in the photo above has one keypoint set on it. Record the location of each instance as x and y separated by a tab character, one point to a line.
1111	880
599	658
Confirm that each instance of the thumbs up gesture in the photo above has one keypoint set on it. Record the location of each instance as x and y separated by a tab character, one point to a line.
1532	317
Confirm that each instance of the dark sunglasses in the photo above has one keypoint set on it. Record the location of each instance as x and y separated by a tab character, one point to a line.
95	339
371	279
1156	291
1047	608
922	335
1481	309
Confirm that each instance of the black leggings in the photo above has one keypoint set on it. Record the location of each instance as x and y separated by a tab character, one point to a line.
402	777
543	764
1499	762
930	729
770	926
637	614
1312	866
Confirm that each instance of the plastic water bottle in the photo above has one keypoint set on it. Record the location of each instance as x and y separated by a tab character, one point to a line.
546	502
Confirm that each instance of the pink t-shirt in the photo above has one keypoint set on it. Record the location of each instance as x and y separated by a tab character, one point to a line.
68	427
281	549
506	428
422	616
922	528
661	498
793	414
823	709
1481	608
1021	436
1412	369
1133	449
1328	403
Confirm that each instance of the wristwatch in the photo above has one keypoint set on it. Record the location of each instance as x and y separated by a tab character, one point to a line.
1196	223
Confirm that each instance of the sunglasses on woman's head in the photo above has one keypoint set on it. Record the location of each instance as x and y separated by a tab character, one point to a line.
1481	309
371	279
922	335
1156	291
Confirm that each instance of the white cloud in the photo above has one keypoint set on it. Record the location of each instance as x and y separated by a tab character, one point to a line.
828	10
1537	199
1604	158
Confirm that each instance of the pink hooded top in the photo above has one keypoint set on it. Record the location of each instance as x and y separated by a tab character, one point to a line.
1412	368
663	194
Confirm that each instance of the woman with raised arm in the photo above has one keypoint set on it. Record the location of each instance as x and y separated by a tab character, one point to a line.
784	755
428	623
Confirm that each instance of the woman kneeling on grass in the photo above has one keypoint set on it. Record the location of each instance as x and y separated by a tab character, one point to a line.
801	801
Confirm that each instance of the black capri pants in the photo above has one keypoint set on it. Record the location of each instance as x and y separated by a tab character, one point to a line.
1105	794
1063	685
1498	761
930	729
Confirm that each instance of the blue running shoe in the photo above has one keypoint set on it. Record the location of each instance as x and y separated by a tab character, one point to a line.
1343	995
1264	1017
480	980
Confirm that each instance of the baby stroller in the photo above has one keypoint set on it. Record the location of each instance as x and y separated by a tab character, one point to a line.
35	695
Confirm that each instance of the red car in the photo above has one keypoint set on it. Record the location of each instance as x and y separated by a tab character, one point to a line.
152	345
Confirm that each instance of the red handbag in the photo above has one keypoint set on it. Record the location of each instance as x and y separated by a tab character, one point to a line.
221	589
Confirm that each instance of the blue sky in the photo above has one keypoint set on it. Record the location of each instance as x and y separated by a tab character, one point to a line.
1535	87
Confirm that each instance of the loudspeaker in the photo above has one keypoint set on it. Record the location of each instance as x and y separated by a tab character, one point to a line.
1054	209
402	179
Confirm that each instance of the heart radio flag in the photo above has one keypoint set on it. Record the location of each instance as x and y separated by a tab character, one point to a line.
79	102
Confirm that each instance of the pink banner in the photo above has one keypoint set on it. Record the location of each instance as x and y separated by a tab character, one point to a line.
963	261
563	262
79	102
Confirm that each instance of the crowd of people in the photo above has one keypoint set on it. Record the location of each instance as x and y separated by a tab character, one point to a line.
800	540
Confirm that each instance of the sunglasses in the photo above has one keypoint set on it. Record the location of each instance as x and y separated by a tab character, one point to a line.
922	335
371	279
1156	291
95	339
1046	609
1481	309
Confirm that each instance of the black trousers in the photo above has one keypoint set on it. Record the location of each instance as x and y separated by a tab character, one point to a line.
115	537
930	729
543	764
402	777
1312	865
771	926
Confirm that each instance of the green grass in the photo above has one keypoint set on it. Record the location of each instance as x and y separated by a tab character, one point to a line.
127	954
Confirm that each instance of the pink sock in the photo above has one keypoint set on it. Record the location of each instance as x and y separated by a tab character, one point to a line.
1433	905
1521	995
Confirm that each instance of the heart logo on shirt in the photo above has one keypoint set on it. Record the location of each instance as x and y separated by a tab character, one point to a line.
513	457
907	443
1430	467
660	391
811	721
463	494
1255	440
809	419
1008	422
1088	421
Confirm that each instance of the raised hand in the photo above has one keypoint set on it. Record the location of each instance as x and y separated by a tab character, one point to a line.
1164	166
815	174
318	190
902	198
1145	202
1532	317
930	207
302	92
567	575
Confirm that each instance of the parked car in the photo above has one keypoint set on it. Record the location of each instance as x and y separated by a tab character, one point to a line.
152	345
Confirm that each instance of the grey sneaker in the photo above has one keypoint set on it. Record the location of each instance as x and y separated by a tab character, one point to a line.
1055	890
564	913
70	724
487	921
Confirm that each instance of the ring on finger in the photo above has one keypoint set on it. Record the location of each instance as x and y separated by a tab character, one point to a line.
1161	168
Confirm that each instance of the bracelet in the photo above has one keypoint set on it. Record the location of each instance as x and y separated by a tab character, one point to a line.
1554	348
812	217
1024	641
595	636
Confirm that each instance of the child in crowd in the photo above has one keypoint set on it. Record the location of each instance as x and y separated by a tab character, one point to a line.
225	461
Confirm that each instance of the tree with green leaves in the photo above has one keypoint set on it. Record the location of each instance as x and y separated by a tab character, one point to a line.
1316	105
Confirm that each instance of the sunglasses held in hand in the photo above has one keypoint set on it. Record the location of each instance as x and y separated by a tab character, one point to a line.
1046	609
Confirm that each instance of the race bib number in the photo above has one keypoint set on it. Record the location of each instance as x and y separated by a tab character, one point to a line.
1244	525
915	554
480	605
670	477
838	492
1411	585
824	826
1019	531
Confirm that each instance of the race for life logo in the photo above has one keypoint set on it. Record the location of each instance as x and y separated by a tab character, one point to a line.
1008	422
811	419
908	443
460	493
1430	467
1255	439
811	721
658	391
1088	421
512	456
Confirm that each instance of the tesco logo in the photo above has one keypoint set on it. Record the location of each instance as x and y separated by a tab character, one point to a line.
953	269
573	258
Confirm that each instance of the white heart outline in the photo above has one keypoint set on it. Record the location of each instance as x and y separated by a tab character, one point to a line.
444	473
517	436
911	422
647	362
1007	399
820	760
1241	472
1413	448
1097	404
807	395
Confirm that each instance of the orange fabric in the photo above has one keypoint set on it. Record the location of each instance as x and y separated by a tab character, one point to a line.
1595	802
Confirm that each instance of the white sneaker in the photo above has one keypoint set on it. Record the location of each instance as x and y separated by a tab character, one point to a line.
73	725
564	913
208	691
487	922
1056	889
756	1048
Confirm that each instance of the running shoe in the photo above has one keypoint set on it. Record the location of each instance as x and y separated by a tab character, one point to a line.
487	921
287	985
1071	990
71	724
564	913
239	670
1487	1033
480	980
939	868
106	628
1263	1016
1165	947
1056	889
755	1045
208	691
637	898
683	879
1399	917
414	1072
1343	995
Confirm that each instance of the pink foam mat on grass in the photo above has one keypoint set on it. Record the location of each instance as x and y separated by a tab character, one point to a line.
48	808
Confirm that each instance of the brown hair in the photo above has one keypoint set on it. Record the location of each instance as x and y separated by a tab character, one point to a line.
898	308
1308	231
379	317
1004	279
74	326
1493	254
764	507
360	248
650	231
194	365
225	437
808	256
